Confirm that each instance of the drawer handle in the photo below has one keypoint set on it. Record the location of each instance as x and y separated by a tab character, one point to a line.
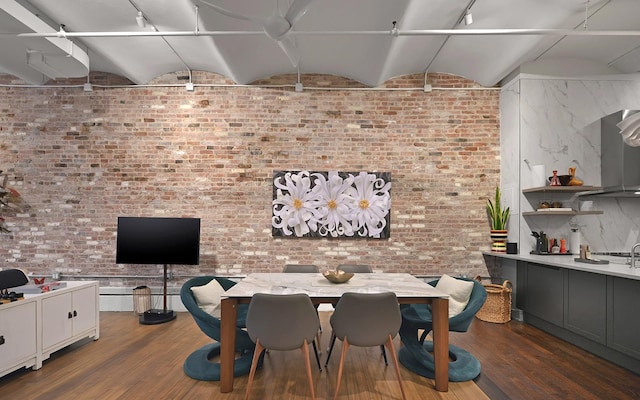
1	340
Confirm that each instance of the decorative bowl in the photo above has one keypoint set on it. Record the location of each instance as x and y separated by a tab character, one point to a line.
564	179
337	276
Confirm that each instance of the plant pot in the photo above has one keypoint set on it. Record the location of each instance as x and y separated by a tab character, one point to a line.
499	238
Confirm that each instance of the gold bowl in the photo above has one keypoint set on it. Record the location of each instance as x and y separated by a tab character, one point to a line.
337	276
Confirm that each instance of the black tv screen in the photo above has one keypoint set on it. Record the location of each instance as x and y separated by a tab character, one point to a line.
148	240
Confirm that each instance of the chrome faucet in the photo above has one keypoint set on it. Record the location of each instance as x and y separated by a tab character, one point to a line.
633	254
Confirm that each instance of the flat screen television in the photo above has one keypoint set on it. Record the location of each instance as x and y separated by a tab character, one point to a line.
150	240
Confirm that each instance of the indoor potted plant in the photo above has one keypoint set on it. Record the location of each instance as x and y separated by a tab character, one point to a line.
498	218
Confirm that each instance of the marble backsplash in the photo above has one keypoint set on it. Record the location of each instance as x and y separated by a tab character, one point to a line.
554	122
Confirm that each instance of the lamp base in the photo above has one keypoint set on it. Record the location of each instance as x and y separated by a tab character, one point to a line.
153	317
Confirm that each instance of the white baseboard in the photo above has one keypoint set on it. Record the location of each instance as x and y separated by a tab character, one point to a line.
121	299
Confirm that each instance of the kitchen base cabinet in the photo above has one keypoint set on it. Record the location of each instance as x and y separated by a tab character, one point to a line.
33	328
624	316
545	292
586	305
596	312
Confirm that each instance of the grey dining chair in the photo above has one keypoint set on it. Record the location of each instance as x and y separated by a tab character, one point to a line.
367	319
355	268
305	269
301	268
282	322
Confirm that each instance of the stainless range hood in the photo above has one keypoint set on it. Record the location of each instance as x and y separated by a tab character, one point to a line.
620	163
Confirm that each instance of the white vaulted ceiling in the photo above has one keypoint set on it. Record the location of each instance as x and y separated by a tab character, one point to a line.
349	38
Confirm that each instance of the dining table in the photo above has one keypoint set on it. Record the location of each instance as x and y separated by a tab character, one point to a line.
407	288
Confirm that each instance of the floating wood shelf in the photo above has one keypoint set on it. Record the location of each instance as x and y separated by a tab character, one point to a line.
568	189
554	213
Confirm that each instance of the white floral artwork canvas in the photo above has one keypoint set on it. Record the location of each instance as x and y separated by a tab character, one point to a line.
331	204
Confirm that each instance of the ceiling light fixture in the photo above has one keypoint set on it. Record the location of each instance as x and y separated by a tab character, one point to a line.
140	20
468	17
298	87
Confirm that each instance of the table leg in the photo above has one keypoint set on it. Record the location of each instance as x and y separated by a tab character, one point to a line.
228	318
440	309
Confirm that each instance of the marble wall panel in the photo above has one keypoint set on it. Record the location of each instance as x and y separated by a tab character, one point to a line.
556	128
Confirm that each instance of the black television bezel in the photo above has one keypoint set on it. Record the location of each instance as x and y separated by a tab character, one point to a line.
159	253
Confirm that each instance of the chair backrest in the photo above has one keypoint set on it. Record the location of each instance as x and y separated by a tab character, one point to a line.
282	321
207	323
10	278
301	268
355	268
462	321
366	319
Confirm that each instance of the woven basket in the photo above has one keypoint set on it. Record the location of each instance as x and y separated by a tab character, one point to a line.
141	299
497	308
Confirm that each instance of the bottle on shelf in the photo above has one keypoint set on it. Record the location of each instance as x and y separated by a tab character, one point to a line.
574	241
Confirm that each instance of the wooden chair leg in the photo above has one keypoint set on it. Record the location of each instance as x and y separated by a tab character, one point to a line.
254	363
307	363
345	346
394	357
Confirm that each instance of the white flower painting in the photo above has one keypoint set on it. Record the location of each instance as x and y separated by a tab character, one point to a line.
331	204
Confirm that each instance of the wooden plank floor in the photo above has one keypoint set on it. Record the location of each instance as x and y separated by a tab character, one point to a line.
133	361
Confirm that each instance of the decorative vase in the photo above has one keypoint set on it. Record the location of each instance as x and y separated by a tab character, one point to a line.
574	181
555	181
499	238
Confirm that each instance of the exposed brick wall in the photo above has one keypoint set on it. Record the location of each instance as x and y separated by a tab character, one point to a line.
83	159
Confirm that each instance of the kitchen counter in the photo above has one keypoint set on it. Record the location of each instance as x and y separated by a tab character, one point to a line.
593	306
616	266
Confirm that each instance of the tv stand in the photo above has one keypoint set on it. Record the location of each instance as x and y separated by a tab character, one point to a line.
155	316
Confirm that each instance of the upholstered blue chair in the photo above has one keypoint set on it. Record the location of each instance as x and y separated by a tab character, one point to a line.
198	364
417	354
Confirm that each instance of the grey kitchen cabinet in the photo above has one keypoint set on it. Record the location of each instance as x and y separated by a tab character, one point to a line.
624	316
586	305
545	293
597	312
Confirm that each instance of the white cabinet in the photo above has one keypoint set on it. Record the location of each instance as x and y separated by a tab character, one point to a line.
33	328
17	335
67	315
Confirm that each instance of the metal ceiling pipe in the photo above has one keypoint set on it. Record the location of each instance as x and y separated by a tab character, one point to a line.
424	32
